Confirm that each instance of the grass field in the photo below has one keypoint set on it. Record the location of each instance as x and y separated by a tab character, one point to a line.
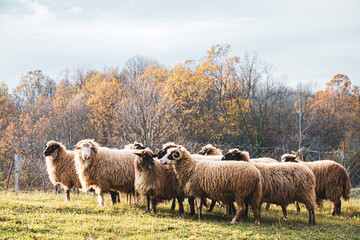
38	215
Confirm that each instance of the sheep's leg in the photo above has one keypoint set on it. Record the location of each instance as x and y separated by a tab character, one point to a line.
311	215
285	215
148	203
181	206
173	205
101	198
336	209
213	202
204	202
67	195
297	207
113	197
255	204
136	198
242	207
267	206
198	205
244	214
191	201
227	209
153	204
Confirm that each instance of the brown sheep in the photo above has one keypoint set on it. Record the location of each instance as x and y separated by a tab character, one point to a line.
332	181
156	180
283	184
236	154
162	152
225	181
104	169
210	150
60	166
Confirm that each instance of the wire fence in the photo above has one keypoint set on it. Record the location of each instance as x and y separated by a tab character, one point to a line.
349	159
36	178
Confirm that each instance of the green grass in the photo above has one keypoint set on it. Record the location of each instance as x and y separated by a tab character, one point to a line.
38	215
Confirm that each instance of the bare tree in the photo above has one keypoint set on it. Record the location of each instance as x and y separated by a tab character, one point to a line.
145	114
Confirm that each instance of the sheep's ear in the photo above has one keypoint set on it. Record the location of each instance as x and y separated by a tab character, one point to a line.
138	154
154	155
77	148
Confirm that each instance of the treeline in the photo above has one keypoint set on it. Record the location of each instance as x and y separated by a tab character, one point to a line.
221	99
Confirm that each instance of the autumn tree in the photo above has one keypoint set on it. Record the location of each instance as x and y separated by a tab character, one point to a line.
332	111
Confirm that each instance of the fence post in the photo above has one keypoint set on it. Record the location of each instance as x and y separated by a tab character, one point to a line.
16	174
344	157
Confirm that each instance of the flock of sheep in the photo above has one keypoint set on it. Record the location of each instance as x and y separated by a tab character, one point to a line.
175	174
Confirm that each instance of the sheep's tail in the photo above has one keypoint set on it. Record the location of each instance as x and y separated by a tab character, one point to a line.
346	188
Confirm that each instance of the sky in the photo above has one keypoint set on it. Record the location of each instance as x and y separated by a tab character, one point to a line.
307	41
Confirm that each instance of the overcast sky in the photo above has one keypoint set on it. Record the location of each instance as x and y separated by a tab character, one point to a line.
306	40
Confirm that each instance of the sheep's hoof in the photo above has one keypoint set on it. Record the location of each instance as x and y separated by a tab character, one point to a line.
257	222
233	222
285	218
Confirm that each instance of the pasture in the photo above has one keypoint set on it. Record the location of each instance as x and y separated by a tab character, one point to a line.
36	215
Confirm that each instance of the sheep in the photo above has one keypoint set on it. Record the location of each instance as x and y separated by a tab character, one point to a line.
210	150
104	169
283	184
162	152
156	180
236	154
135	145
226	181
332	181
60	165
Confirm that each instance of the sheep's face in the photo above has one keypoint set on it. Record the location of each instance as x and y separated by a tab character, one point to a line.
161	153
145	159
51	150
236	156
202	152
138	146
85	150
172	155
289	158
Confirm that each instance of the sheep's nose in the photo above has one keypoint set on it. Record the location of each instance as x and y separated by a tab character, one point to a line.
85	156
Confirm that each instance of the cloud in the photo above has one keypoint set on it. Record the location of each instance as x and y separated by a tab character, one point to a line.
26	13
75	10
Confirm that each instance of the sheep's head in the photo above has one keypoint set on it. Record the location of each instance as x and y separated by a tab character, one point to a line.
135	145
209	150
161	153
173	155
138	145
145	159
52	148
289	158
236	155
86	148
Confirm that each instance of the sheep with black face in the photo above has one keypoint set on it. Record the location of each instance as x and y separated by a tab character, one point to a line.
60	166
210	150
155	180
